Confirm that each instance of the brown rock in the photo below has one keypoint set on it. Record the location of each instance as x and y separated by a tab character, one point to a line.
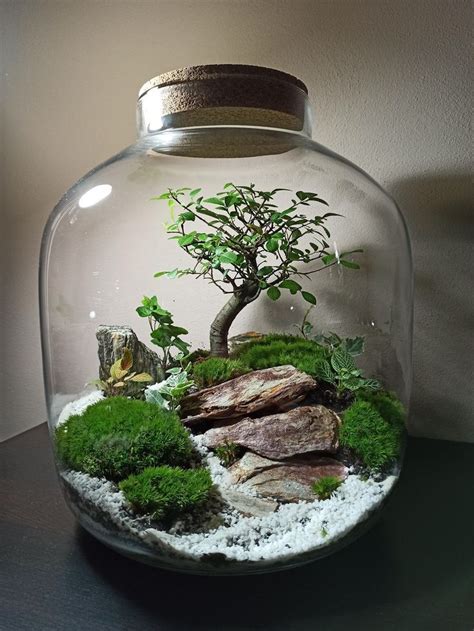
291	481
299	431
247	504
259	390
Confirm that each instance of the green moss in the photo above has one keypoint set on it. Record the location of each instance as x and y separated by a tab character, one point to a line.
278	350
375	440
228	453
325	486
167	492
117	436
217	370
387	405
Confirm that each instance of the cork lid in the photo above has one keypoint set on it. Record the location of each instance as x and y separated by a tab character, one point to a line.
229	94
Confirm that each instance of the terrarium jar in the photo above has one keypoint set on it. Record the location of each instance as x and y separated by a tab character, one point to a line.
226	313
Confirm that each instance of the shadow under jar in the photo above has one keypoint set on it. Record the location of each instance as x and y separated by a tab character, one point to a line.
226	312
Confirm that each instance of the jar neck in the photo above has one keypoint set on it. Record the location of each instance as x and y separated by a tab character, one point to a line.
164	108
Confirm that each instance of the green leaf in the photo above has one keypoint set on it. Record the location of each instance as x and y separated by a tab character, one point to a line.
324	371
143	312
272	245
328	259
349	264
309	297
354	346
185	240
273	293
158	274
194	192
292	285
214	200
176	330
187	216
266	270
341	360
229	257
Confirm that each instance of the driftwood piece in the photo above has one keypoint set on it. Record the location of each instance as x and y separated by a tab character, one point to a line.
271	388
113	339
299	431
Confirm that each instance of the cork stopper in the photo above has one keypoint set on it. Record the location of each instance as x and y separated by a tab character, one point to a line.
230	94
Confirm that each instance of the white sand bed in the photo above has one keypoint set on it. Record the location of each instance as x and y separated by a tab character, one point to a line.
291	530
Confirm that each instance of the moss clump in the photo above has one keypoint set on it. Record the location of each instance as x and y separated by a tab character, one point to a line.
325	486
278	350
387	405
217	370
228	453
117	437
375	440
166	492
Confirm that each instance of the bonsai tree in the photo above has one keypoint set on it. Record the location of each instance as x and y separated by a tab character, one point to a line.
251	246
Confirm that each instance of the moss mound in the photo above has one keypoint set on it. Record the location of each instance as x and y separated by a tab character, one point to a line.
387	405
217	370
166	492
278	350
375	440
325	486
117	437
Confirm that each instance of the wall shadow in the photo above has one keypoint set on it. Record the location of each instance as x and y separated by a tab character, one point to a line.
439	212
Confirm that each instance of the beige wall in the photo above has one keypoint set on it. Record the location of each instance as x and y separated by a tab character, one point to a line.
390	87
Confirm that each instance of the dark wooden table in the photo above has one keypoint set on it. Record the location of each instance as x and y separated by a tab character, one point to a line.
413	570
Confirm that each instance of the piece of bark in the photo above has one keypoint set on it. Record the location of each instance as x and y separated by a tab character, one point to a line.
271	388
113	339
289	480
278	436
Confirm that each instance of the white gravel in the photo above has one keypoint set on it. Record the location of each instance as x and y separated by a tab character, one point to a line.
292	529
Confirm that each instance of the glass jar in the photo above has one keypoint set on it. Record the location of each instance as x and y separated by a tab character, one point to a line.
226	316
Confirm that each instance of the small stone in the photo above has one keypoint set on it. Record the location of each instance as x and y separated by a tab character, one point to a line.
269	389
113	339
248	505
279	436
249	465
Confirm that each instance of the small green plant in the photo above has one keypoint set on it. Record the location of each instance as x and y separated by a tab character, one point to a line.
305	329
120	379
228	453
245	243
341	372
164	333
168	393
217	370
117	437
167	492
375	440
325	486
352	345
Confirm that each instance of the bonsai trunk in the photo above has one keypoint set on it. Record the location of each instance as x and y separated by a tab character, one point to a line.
223	321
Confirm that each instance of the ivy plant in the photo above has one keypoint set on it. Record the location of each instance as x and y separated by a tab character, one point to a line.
245	244
164	333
